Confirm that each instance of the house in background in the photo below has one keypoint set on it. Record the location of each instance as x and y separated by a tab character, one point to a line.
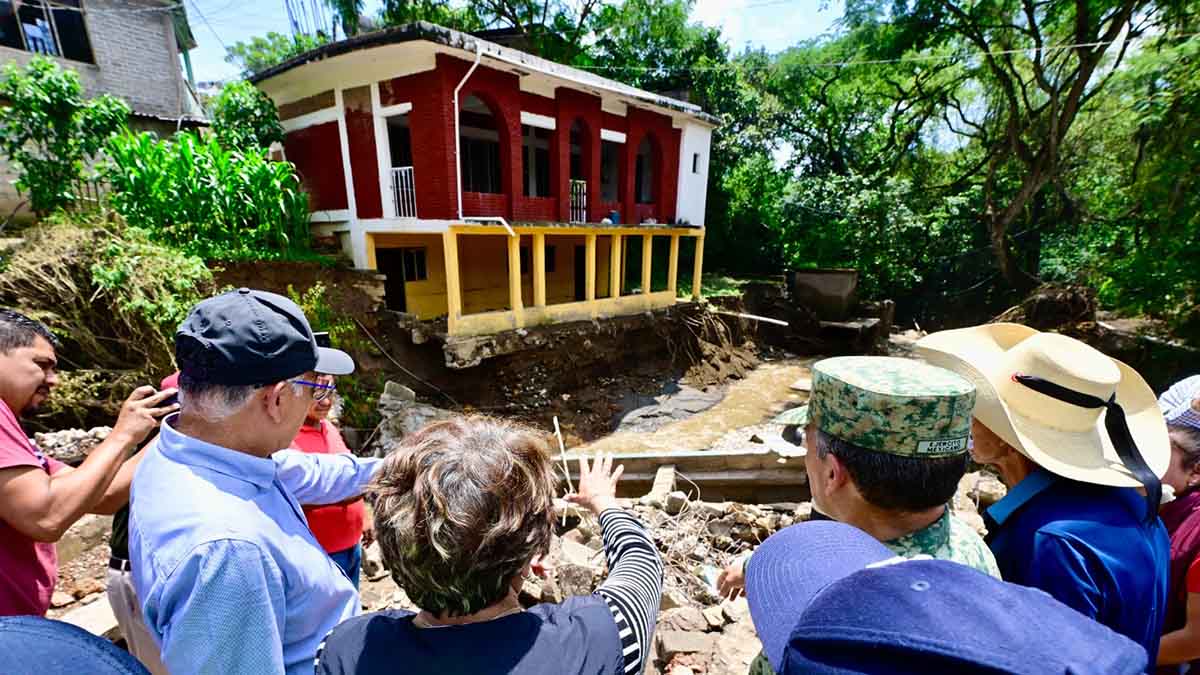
573	199
136	50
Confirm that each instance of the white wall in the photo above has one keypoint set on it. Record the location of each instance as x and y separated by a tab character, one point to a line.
693	187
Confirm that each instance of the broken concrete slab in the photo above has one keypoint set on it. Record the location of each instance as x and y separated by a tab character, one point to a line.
672	642
87	533
96	618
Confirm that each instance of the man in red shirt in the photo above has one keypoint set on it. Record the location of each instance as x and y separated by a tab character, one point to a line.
41	497
339	528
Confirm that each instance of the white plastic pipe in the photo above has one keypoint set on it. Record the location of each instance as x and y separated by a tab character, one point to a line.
457	131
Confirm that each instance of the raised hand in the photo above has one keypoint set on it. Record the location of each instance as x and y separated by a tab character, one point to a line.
142	411
597	485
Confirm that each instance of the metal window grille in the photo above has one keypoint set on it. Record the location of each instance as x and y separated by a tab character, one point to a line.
578	201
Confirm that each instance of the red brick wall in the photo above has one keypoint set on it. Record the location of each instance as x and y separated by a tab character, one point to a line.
364	162
666	141
431	124
575	106
317	153
431	128
536	208
486	204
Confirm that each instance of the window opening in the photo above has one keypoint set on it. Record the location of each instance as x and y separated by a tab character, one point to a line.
644	176
479	140
51	29
610	171
535	157
414	264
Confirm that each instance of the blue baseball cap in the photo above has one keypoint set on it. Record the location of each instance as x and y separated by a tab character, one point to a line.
827	597
249	338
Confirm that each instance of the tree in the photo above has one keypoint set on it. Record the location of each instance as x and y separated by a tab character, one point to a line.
1026	69
440	12
50	132
262	52
244	118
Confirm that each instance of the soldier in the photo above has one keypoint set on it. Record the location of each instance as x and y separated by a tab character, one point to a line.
887	445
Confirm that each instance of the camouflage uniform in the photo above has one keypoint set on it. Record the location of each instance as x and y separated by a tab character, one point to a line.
948	538
901	407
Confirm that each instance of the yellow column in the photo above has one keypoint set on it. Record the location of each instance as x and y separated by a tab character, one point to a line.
589	271
698	268
514	281
453	288
372	263
614	267
673	266
647	254
539	270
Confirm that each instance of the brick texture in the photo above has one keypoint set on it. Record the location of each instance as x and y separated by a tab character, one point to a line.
364	163
317	153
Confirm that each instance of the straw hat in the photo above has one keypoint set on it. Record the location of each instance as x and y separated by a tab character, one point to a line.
1065	438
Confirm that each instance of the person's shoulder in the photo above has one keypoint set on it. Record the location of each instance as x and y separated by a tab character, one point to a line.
348	641
577	608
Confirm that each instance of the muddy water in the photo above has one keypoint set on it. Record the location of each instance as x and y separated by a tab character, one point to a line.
762	394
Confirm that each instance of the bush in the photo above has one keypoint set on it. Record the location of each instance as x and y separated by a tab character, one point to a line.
359	392
208	201
113	298
245	119
49	131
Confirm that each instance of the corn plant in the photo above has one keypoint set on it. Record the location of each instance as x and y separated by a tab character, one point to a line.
220	204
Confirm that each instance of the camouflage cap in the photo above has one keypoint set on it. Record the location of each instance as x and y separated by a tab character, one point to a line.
887	404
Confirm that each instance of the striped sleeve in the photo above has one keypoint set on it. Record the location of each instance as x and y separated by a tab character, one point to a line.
633	589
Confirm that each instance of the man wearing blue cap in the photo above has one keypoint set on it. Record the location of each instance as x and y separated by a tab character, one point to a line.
829	598
230	576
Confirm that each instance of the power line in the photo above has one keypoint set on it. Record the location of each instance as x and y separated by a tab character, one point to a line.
212	30
904	59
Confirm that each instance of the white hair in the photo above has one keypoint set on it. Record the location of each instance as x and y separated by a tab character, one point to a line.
217	402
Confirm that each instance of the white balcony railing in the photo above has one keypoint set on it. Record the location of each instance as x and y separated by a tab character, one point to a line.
579	201
404	192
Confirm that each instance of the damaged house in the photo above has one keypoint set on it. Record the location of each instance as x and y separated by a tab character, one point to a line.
136	50
495	190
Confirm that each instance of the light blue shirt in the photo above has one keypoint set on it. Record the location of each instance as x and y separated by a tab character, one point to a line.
230	577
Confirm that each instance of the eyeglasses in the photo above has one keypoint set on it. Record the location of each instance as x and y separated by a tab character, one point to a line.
322	389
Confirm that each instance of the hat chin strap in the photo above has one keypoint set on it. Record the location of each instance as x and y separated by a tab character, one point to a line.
1118	432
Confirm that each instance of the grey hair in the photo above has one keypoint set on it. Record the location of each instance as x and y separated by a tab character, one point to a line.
216	402
1187	439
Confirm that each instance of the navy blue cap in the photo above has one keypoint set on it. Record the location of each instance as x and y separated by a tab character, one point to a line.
826	597
248	337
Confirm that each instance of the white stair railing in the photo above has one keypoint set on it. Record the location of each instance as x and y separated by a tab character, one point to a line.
404	192
578	201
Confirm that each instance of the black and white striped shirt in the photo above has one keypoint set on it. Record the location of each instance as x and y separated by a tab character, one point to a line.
633	589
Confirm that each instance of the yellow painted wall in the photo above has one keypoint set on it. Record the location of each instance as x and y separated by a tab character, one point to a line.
483	263
483	260
426	299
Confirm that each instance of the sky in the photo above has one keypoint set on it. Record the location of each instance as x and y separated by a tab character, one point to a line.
771	24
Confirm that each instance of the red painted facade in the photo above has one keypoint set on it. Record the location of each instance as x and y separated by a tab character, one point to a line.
317	153
431	126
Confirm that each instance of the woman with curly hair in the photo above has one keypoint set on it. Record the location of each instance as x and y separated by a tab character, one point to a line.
463	511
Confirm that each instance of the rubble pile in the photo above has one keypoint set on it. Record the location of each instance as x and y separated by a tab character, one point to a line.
71	446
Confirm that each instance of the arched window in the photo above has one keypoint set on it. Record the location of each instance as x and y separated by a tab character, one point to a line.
479	143
646	171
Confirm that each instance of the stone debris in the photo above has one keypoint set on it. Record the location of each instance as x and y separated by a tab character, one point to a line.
401	415
71	446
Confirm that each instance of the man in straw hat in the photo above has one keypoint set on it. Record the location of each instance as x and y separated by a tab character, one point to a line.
1079	440
887	445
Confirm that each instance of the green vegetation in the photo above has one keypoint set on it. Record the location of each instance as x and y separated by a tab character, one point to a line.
262	52
360	391
50	132
244	118
205	200
113	297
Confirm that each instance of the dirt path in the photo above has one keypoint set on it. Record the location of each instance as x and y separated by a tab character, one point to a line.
763	393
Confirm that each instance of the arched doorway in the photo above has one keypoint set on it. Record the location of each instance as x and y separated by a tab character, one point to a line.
646	171
579	166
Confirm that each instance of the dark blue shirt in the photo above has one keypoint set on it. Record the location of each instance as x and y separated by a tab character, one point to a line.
1089	547
577	637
